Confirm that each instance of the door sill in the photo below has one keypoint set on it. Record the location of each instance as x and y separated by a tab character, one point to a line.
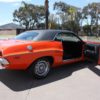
67	60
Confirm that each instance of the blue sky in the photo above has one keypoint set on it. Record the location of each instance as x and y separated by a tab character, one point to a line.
7	7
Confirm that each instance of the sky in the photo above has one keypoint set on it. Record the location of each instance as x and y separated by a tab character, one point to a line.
7	7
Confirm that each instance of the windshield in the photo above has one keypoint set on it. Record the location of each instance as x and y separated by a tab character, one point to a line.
27	36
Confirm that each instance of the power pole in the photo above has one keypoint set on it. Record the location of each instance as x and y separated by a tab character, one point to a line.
46	13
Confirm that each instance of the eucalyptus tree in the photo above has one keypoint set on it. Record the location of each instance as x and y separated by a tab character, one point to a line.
92	12
68	14
61	9
54	22
29	15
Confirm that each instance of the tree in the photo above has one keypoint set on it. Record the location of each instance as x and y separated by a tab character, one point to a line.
87	29
54	22
68	14
29	15
92	12
72	12
72	26
61	9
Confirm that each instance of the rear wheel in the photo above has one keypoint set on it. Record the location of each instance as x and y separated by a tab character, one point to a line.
40	68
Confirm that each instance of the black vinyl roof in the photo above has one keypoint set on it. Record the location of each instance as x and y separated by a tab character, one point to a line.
48	34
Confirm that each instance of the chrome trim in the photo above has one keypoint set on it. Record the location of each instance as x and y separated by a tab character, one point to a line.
55	36
71	59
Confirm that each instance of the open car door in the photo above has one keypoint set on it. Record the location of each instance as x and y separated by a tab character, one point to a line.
92	52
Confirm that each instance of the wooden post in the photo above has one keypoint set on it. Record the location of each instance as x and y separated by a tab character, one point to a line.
46	13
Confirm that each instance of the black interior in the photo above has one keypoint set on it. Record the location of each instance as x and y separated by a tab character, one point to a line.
72	49
92	51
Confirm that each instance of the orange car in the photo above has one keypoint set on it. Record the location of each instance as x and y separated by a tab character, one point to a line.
39	50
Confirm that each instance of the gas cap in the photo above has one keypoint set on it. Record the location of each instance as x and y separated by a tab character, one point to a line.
29	47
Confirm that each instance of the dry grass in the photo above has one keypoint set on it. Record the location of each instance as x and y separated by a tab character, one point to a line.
91	38
6	36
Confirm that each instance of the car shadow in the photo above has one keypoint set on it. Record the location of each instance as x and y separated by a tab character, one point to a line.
94	68
21	80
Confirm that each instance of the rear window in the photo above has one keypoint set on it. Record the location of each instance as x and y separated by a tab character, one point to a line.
27	36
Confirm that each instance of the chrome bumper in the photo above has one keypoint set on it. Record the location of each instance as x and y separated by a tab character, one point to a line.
3	62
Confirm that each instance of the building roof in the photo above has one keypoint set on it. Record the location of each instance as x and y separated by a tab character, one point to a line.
11	26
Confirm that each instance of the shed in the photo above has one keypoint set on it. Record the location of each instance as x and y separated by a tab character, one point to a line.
11	29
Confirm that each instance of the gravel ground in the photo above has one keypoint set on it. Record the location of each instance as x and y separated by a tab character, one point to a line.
79	81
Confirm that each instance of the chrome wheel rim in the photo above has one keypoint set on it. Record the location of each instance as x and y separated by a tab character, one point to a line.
42	68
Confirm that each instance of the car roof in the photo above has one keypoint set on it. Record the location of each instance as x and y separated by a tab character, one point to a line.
48	34
53	30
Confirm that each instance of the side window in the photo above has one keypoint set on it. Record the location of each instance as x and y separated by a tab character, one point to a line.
69	37
58	37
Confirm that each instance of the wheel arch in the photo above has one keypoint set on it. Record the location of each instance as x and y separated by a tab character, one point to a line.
50	59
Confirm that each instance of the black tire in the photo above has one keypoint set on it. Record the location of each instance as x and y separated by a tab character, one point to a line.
40	68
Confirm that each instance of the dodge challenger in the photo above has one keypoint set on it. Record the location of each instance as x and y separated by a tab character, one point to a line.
40	50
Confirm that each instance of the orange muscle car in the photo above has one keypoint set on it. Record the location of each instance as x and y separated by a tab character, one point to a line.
39	50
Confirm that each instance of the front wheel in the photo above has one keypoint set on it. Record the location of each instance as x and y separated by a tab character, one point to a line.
40	68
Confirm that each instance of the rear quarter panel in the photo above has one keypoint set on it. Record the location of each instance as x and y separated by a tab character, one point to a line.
21	58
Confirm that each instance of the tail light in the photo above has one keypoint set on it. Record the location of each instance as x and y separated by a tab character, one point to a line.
0	53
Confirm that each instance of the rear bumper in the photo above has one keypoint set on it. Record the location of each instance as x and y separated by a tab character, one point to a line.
3	62
1	67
